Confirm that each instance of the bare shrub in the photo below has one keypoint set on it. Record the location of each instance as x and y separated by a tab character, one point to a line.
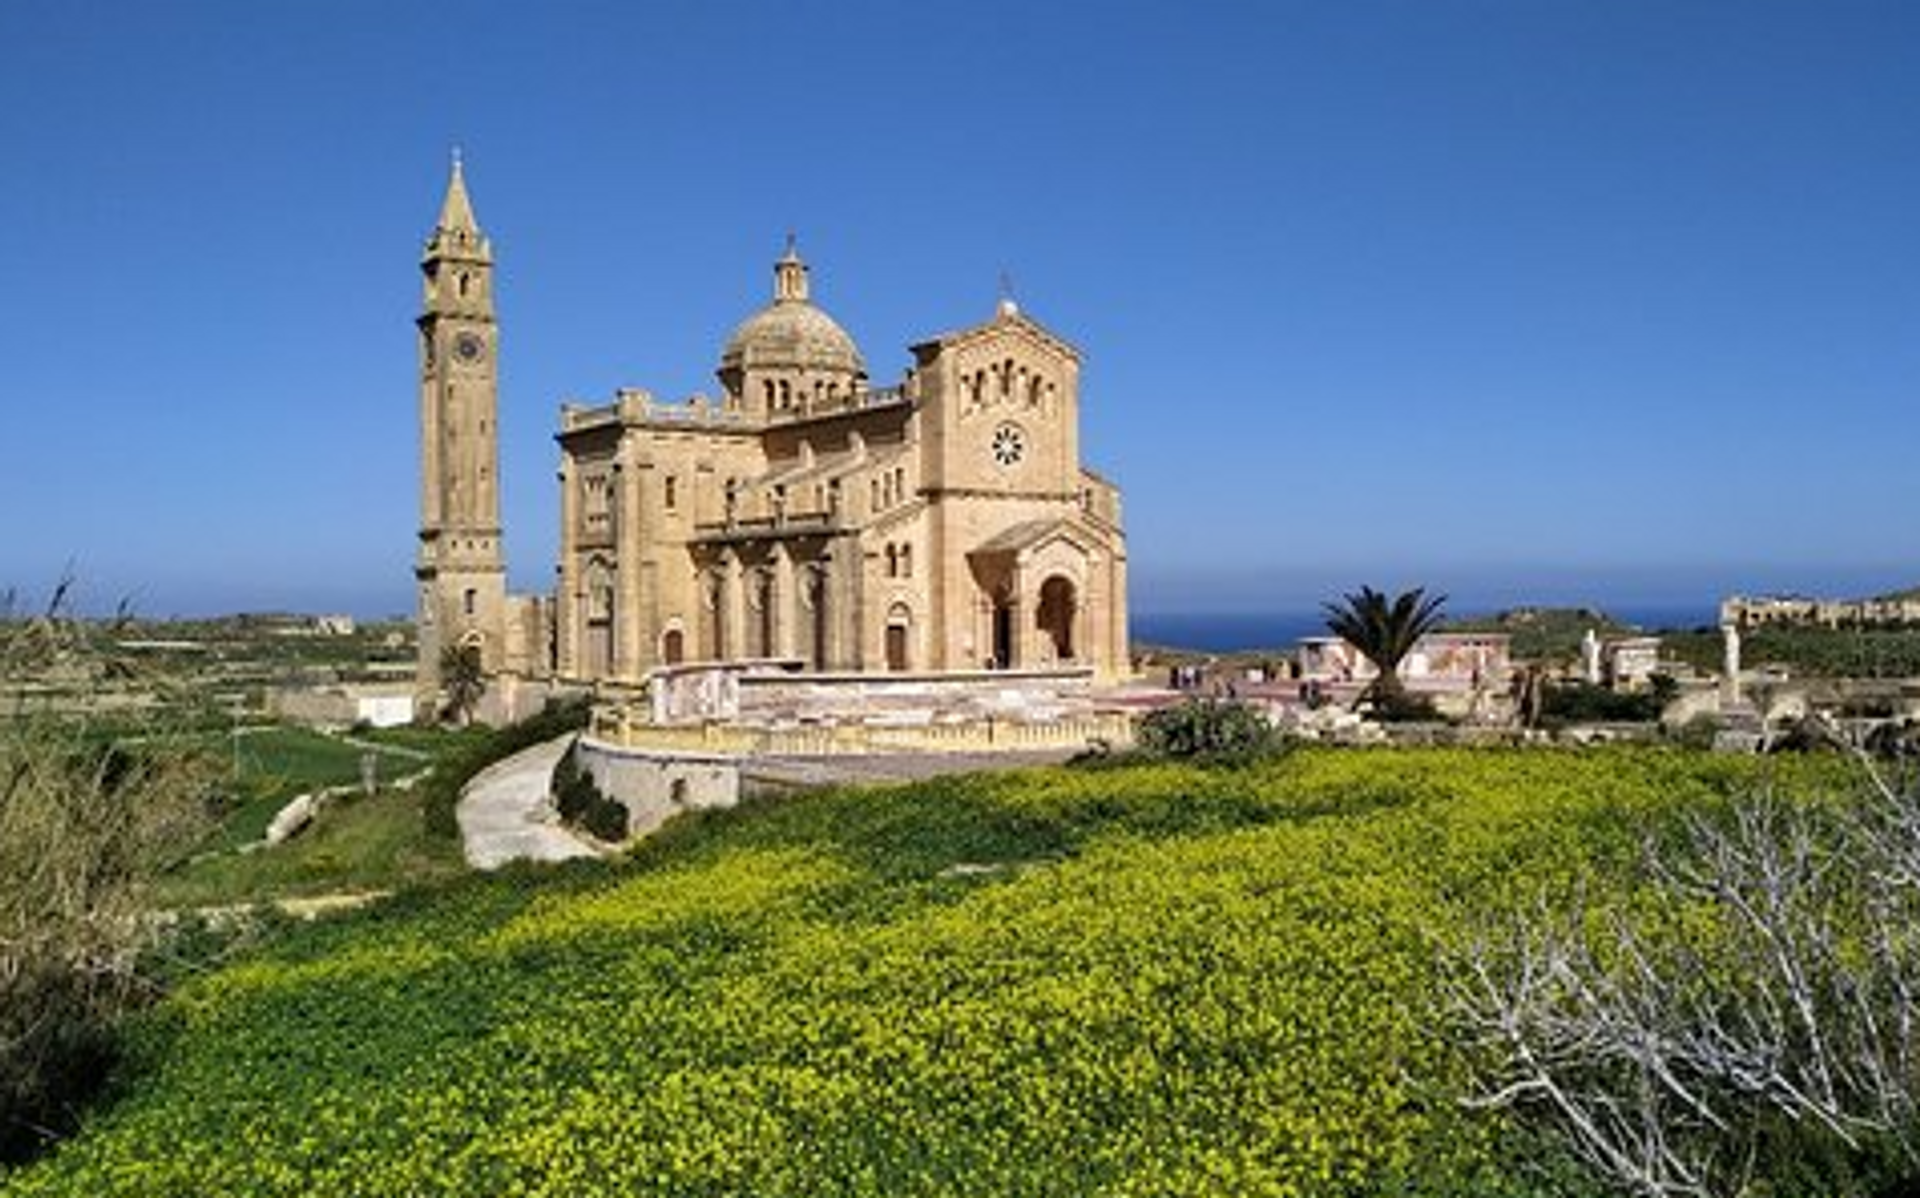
84	825
1745	1025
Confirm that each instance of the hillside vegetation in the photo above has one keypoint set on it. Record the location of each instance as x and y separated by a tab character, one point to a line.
1149	979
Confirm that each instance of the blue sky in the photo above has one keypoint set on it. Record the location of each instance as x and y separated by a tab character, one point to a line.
1612	301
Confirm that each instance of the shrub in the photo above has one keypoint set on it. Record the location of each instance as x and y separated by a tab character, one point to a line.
1207	729
1583	702
582	803
1400	707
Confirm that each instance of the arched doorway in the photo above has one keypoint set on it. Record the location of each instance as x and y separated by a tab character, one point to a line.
1055	616
673	646
899	638
599	621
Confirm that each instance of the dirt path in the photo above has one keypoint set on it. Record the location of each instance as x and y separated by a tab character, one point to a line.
504	814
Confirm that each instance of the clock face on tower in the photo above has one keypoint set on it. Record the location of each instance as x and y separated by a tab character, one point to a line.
1009	446
468	347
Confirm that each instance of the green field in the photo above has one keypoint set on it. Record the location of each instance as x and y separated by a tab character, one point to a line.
360	843
267	766
1150	979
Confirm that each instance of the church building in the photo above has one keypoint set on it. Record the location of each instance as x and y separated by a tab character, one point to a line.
940	523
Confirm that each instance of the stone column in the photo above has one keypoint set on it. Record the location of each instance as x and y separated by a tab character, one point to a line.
1022	609
1729	664
1590	658
833	593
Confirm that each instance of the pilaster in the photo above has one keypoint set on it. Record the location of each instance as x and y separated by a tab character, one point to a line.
733	607
629	523
567	602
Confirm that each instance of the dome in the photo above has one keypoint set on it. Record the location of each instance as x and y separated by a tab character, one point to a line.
790	332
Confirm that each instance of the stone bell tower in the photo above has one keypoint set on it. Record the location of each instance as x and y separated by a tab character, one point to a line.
460	568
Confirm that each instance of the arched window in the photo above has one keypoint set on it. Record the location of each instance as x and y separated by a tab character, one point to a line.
906	561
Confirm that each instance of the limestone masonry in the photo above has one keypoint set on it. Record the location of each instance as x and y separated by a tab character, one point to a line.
940	523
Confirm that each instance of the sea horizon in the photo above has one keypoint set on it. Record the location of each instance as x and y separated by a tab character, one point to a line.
1240	632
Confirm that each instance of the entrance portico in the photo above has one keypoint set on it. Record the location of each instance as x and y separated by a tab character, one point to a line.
1032	607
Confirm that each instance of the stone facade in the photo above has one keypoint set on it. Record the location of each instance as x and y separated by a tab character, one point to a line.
941	523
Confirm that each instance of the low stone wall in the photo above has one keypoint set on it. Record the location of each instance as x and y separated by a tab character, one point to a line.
615	726
656	786
739	709
344	704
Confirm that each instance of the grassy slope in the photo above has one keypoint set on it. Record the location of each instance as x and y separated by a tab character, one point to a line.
359	843
1131	981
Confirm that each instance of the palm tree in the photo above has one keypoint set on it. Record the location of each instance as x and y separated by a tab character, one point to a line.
1384	632
464	679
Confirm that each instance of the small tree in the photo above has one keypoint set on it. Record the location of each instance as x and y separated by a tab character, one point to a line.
463	678
1384	632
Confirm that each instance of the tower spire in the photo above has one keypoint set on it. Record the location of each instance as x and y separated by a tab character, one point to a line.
456	212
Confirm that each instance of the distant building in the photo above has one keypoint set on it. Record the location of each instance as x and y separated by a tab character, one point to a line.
1440	659
1755	612
1630	662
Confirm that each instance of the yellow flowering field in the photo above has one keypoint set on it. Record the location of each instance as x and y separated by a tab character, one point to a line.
1139	980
